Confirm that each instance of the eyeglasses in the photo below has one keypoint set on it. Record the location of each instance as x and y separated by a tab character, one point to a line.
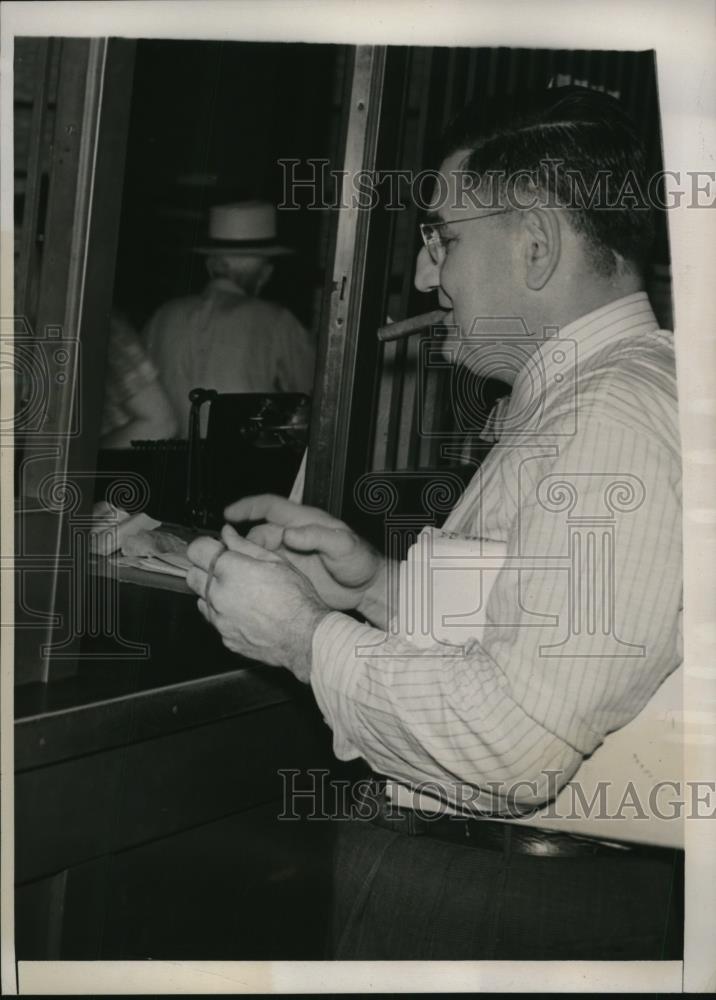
436	243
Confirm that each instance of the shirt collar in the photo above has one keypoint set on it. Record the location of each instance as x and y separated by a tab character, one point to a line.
553	363
492	430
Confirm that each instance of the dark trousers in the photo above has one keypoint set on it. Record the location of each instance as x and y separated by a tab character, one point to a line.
399	896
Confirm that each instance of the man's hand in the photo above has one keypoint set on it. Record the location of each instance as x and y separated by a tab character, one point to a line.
261	606
346	571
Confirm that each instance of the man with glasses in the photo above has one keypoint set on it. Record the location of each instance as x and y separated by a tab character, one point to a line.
543	284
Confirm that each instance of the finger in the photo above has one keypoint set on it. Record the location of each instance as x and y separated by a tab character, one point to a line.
196	579
331	542
279	510
204	609
233	541
263	506
203	550
212	570
268	536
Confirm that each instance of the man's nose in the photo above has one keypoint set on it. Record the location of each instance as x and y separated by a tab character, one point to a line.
427	272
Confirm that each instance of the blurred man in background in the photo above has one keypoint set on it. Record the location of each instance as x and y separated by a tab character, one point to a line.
228	338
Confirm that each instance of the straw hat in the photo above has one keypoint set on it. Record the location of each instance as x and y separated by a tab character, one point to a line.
244	228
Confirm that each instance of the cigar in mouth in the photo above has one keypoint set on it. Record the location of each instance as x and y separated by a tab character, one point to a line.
395	331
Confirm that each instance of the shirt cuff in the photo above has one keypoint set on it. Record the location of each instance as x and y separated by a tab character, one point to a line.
335	671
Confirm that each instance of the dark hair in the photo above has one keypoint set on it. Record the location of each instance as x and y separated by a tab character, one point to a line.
580	149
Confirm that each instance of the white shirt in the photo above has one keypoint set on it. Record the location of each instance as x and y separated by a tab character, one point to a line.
588	455
228	341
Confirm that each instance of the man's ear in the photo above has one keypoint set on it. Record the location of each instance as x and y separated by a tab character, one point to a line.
543	246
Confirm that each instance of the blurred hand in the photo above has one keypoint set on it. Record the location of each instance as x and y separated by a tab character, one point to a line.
345	570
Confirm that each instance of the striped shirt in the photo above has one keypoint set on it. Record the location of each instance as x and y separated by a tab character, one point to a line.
584	489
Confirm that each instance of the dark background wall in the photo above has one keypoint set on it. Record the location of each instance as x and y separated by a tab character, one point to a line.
209	123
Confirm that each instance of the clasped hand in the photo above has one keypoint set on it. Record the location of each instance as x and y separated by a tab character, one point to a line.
267	593
260	605
347	572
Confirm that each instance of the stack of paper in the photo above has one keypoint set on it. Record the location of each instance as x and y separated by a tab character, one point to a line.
137	542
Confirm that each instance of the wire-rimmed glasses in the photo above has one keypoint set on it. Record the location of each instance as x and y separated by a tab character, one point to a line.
436	243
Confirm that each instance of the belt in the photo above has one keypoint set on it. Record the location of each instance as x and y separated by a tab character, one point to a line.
508	838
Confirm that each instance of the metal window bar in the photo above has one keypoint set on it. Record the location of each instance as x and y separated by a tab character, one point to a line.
405	444
338	345
56	475
395	223
30	215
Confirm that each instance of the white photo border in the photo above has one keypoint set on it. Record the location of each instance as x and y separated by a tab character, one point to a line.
684	39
